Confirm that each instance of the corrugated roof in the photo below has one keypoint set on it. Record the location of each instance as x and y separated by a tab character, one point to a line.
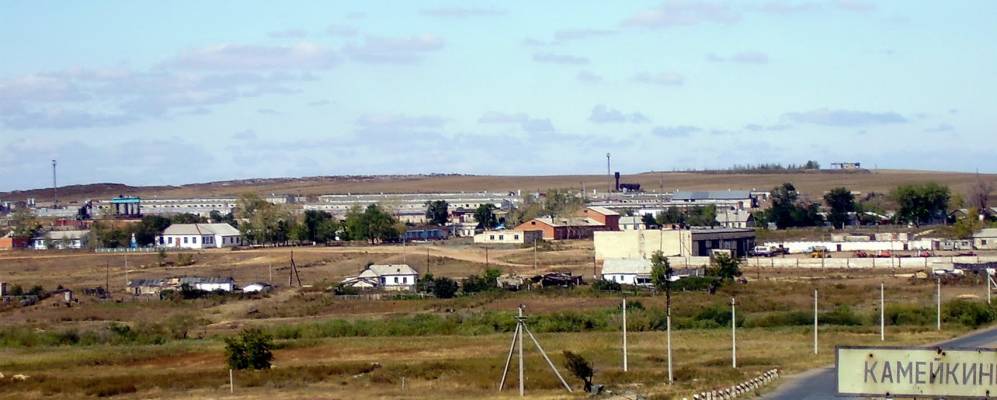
391	269
712	195
201	229
639	266
987	233
65	235
576	221
603	210
741	216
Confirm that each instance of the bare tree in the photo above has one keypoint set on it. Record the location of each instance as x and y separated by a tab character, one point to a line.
979	194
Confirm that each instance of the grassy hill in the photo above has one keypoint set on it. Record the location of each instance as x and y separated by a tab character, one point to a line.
811	183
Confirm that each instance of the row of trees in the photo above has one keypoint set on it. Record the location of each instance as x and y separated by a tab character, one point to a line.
692	216
917	204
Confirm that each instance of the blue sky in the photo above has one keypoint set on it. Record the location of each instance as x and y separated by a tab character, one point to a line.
180	92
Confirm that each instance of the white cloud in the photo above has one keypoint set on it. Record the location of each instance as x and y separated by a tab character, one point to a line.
394	50
845	118
462	12
553	58
605	115
660	78
301	56
675	13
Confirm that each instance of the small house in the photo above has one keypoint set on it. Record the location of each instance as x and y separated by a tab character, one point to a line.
508	237
145	287
199	236
257	287
390	276
61	240
986	239
209	284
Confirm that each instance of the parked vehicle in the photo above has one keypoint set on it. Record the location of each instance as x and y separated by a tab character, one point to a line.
819	252
763	251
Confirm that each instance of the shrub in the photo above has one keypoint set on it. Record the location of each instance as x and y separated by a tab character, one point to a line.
580	368
444	288
841	315
969	313
602	285
787	318
694	283
252	349
897	314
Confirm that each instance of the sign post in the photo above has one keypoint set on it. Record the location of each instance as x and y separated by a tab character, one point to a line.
882	312
916	372
815	321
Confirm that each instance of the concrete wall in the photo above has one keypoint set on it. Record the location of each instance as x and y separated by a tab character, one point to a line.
895	262
894	245
642	243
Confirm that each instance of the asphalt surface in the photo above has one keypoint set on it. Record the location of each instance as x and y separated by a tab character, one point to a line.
820	384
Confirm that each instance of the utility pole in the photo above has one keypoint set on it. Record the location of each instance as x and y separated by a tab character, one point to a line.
624	334
733	334
609	176
938	311
55	188
517	346
882	312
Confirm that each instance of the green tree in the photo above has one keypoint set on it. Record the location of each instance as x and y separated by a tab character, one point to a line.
661	272
528	210
966	227
485	215
702	216
252	349
148	228
187	218
24	222
840	201
580	368
319	226
437	212
783	205
671	215
444	288
559	203
371	224
648	220
725	267
921	203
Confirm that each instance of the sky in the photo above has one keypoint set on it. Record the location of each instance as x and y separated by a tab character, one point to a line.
153	93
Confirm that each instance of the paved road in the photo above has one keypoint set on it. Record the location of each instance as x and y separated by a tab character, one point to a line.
819	384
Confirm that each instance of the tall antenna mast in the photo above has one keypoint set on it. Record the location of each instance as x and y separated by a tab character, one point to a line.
609	175
55	188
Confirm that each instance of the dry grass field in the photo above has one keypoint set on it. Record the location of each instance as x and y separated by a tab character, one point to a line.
442	348
813	184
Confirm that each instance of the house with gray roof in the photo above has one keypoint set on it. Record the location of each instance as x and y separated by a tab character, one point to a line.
199	236
395	277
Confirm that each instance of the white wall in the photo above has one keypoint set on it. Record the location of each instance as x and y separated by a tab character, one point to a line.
894	245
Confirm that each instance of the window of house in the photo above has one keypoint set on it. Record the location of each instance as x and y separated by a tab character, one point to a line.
193	239
185	239
515	237
491	237
169	240
396	279
501	237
